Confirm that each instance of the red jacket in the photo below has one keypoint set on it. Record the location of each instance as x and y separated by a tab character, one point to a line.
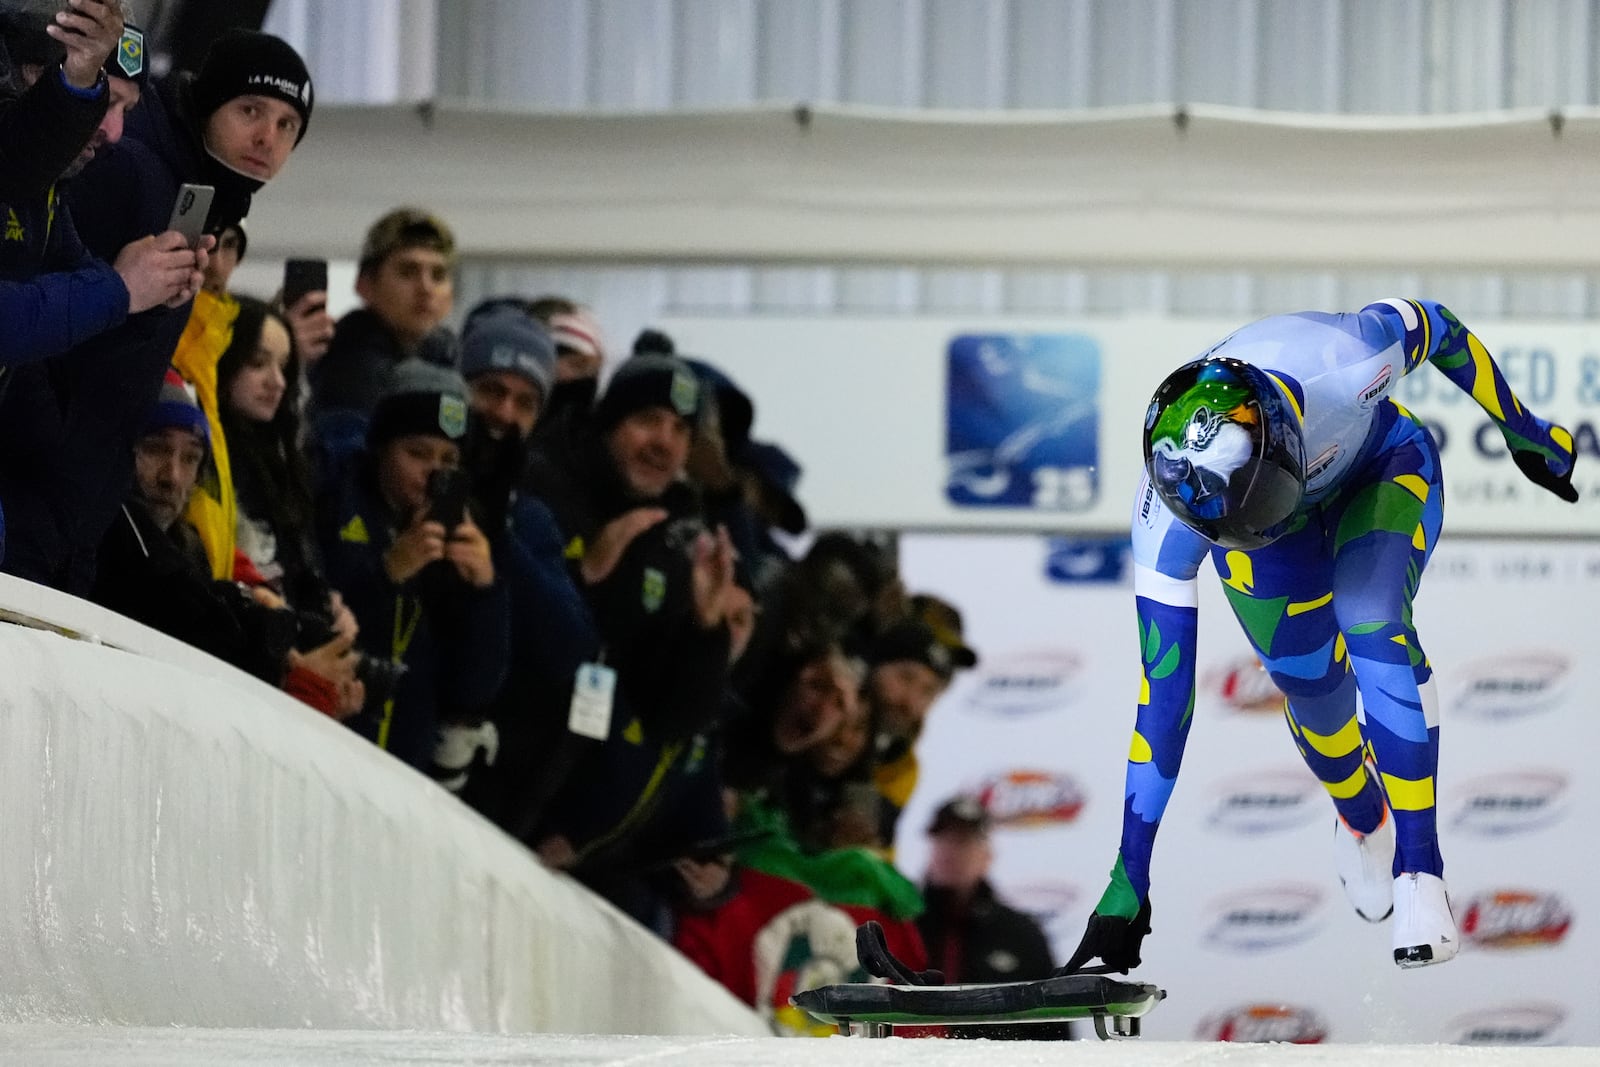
775	937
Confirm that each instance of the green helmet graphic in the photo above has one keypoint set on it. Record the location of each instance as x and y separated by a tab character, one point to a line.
1223	449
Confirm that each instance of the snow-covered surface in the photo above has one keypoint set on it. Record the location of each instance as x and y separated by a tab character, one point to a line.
185	846
73	1046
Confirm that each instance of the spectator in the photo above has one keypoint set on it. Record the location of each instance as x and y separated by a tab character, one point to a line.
657	589
233	126
509	365
406	284
155	571
225	258
971	936
797	748
256	376
768	476
53	293
910	667
415	567
580	357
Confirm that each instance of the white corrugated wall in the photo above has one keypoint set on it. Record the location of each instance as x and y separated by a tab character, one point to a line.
1384	56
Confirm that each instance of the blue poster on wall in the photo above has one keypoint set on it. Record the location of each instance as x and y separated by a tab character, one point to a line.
1023	420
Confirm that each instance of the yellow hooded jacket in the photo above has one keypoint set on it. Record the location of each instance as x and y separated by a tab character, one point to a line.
213	509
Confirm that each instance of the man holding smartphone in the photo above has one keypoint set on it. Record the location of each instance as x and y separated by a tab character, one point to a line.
231	126
82	69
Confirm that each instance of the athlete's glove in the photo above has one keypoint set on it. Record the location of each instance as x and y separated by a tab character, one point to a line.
1113	939
1536	470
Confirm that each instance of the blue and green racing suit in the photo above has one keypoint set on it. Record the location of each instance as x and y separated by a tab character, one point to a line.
1327	606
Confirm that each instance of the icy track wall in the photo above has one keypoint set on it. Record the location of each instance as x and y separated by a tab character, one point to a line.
183	845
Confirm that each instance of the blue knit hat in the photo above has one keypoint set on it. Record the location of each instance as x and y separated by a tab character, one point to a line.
507	339
176	408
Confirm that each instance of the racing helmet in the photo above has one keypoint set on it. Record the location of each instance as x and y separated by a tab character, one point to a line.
1224	451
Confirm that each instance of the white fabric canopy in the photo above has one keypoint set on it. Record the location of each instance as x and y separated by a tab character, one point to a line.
1156	187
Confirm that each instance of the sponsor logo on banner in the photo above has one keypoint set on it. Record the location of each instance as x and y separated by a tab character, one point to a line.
1265	918
1512	1024
1512	685
1026	682
1243	684
1267	802
1030	798
1023	421
1088	559
1264	1022
1515	918
1517	802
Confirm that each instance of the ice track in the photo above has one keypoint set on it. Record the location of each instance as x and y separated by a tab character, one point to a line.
91	1046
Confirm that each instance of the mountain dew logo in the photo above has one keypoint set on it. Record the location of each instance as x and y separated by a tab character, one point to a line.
1199	440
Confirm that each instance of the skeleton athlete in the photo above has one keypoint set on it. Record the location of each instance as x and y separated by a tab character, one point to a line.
1280	455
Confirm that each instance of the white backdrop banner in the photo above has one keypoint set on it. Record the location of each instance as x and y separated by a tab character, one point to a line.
1253	937
1034	424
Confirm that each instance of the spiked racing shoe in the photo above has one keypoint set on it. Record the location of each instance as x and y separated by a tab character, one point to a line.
1365	863
1424	929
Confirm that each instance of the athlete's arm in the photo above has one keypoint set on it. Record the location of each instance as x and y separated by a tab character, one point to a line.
1543	450
1167	557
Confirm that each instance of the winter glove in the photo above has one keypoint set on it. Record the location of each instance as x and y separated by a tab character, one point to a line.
1536	470
456	752
1113	939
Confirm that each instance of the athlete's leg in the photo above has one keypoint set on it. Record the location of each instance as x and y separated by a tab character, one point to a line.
1385	528
1282	596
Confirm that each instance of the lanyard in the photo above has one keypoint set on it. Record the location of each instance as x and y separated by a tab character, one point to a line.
404	630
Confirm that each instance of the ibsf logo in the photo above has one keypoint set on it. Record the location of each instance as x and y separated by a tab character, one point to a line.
1512	686
1244	685
1264	1022
1265	918
1518	802
1515	918
1022	799
1513	1024
1378	388
1266	802
1025	682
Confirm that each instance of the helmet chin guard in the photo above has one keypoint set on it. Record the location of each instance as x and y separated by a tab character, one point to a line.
1224	451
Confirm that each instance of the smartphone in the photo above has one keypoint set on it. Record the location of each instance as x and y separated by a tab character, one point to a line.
447	497
302	276
189	212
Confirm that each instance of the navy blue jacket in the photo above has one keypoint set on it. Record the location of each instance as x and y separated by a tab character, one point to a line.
453	639
53	294
553	633
75	419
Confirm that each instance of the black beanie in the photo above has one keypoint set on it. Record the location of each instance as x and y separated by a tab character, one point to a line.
649	381
244	63
419	398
